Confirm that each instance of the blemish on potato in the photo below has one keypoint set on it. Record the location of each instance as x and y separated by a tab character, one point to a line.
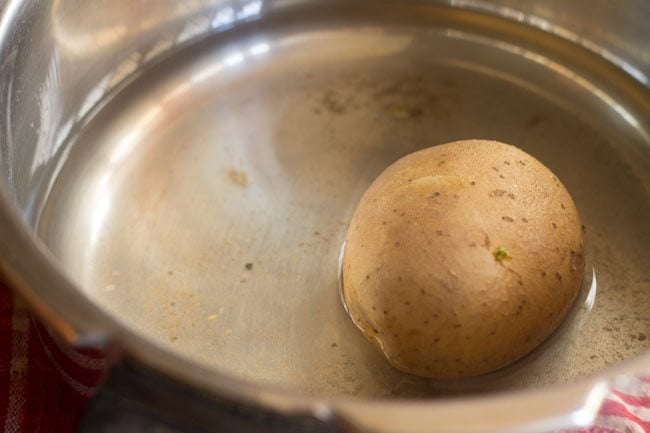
486	241
507	218
497	193
576	260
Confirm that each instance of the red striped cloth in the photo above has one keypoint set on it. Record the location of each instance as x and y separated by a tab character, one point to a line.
44	385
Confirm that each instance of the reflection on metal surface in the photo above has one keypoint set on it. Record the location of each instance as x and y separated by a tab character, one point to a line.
93	26
548	26
232	59
75	36
94	96
128	67
228	15
585	415
250	10
50	98
559	68
258	49
590	300
224	18
99	208
132	137
193	29
88	39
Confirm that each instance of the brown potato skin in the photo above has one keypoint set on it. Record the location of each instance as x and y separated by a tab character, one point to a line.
420	278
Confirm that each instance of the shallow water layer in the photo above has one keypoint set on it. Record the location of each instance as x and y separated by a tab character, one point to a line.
205	205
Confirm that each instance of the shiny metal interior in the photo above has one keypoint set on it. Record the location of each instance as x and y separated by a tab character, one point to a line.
205	205
193	168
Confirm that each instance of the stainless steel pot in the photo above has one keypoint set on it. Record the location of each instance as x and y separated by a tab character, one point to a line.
176	179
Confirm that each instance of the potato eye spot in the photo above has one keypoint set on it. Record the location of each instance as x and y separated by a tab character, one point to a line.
501	253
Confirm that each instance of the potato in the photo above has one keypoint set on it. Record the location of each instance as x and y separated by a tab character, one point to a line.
462	258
